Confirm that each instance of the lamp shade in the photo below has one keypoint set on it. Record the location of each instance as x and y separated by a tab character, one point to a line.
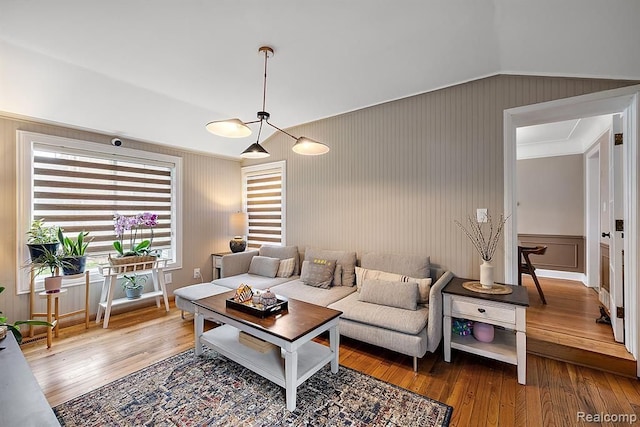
255	151
309	147
238	224
231	128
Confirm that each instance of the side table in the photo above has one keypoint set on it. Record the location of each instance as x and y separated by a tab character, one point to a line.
216	262
506	311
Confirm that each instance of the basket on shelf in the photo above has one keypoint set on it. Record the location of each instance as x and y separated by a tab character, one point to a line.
142	262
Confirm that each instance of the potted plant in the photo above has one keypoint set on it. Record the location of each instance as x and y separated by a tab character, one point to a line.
14	327
53	262
133	285
74	252
41	237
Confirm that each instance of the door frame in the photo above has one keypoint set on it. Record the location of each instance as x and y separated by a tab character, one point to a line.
607	102
593	218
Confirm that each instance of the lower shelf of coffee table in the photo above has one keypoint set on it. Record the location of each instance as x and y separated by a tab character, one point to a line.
311	355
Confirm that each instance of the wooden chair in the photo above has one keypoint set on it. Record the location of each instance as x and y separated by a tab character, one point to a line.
525	266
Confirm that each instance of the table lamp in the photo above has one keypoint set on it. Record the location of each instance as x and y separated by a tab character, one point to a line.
238	227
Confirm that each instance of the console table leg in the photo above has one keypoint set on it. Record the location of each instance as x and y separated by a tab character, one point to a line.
334	344
446	329
291	378
521	350
198	323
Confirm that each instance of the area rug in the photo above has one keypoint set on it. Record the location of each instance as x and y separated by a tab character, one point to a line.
212	391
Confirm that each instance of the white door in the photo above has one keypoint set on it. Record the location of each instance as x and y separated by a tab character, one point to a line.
616	222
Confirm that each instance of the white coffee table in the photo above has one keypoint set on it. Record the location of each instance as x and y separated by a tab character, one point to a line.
291	330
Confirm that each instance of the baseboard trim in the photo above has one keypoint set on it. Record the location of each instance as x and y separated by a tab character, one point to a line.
565	275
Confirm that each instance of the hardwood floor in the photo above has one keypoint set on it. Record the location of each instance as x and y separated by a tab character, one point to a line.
565	328
481	391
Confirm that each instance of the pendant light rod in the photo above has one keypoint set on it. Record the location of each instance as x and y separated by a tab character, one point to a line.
281	130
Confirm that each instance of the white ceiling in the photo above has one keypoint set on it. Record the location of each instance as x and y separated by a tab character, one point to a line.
560	138
159	71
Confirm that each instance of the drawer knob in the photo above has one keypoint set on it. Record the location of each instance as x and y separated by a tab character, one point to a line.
481	310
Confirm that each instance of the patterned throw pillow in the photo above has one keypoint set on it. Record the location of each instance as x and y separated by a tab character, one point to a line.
318	272
286	267
424	285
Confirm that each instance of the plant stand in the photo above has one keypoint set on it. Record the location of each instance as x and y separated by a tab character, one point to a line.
111	274
32	304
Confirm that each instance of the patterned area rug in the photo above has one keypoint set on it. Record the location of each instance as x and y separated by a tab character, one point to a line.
210	390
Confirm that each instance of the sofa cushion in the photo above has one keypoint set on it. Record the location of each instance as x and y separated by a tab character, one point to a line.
347	260
264	266
186	294
408	265
382	316
318	272
392	294
253	280
424	285
282	252
297	290
286	267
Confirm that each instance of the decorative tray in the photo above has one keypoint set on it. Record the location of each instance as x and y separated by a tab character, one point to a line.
259	310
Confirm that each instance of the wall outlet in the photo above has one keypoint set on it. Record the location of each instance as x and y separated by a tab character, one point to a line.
196	273
168	278
482	215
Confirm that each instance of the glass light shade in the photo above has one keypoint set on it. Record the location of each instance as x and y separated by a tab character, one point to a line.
232	128
309	147
255	151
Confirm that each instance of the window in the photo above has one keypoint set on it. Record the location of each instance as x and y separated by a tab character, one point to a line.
263	188
80	186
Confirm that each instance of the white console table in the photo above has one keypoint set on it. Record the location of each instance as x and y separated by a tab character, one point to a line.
111	274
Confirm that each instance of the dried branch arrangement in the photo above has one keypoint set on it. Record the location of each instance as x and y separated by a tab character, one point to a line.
486	246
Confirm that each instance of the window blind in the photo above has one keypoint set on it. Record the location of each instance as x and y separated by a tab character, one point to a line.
263	196
83	192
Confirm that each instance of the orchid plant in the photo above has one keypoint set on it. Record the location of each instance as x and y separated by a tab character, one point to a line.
134	224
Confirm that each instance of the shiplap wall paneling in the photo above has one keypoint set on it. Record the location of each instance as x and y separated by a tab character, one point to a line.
399	173
211	190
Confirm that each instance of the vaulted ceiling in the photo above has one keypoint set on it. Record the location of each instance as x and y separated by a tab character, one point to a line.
160	70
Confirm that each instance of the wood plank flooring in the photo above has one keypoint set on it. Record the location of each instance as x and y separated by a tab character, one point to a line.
482	392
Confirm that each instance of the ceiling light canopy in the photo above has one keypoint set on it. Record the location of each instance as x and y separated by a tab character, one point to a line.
236	128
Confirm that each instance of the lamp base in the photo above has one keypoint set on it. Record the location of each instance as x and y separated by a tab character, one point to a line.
237	244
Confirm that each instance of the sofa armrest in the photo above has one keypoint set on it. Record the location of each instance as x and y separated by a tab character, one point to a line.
434	325
238	263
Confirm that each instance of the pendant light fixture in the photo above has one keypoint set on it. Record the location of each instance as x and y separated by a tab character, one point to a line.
236	128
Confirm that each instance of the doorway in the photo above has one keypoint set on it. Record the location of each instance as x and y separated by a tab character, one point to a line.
608	102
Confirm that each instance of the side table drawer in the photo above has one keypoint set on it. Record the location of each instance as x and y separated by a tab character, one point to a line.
464	308
218	261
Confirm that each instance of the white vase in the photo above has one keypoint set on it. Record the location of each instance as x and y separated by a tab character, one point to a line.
486	274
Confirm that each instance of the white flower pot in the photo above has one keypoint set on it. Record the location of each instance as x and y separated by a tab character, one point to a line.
486	274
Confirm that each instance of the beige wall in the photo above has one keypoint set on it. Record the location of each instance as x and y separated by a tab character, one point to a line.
551	195
211	191
399	174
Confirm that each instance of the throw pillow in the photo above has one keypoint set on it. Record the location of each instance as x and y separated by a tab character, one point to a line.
392	294
424	285
286	267
337	276
264	266
318	272
347	261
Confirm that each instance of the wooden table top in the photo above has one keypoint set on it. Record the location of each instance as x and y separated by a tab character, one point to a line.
519	295
299	319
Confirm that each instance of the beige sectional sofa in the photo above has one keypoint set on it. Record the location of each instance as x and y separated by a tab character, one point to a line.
372	310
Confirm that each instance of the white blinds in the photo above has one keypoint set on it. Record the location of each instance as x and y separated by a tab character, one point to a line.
83	192
263	192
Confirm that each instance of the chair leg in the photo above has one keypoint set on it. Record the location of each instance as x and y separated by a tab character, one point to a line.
535	280
415	364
